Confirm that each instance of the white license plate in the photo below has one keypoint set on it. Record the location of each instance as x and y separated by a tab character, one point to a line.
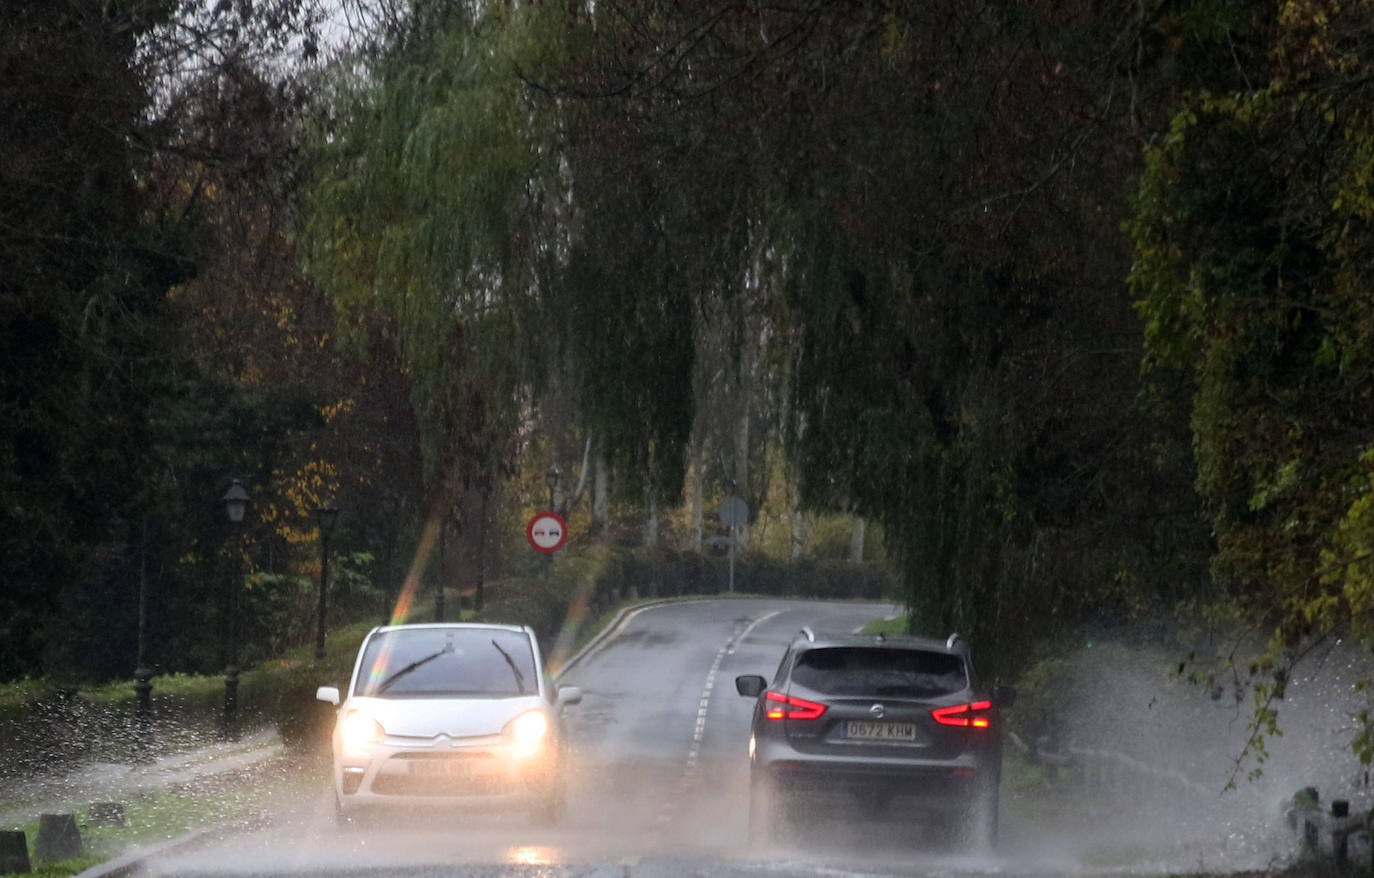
448	768
871	731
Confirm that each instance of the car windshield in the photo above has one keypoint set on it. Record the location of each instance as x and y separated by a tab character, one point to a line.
880	671
447	662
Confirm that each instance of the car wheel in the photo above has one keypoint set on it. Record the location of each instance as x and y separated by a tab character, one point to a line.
766	820
343	816
982	823
549	810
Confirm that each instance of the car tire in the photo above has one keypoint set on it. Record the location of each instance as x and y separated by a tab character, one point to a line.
982	822
343	817
549	810
766	820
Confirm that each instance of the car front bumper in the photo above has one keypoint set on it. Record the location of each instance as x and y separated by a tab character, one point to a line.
446	775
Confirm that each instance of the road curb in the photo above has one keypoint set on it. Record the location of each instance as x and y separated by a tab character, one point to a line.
132	862
610	631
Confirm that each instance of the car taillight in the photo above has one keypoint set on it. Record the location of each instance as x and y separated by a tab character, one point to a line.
782	706
977	715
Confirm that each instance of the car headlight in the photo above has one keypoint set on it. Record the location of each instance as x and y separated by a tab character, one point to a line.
528	731
359	733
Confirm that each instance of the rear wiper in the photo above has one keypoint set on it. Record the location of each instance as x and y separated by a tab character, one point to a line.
412	666
519	677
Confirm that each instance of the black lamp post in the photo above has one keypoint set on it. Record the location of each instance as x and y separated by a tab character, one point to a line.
326	516
551	479
235	506
143	675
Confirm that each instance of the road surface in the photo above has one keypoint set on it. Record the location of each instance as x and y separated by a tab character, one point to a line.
660	786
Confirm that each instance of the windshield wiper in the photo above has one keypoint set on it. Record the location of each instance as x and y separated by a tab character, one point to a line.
382	687
519	677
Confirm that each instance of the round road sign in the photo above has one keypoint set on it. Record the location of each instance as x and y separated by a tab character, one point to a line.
547	532
734	511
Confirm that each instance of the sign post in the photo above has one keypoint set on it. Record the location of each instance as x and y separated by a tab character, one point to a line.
733	512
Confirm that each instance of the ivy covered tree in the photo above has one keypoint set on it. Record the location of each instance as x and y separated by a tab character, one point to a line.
1253	271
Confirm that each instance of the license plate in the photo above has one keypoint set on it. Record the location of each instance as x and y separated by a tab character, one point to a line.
448	768
871	731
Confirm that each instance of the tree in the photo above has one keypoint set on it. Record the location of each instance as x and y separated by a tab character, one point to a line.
893	224
1253	237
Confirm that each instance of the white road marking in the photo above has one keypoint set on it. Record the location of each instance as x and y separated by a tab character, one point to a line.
688	779
752	626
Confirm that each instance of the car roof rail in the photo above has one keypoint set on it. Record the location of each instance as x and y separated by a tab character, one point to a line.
808	633
953	639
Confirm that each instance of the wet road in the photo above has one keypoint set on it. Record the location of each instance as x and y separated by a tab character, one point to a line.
661	781
660	787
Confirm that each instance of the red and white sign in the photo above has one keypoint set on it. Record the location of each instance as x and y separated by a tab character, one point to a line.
547	532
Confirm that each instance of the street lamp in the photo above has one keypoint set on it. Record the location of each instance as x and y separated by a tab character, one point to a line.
326	516
235	506
551	479
143	675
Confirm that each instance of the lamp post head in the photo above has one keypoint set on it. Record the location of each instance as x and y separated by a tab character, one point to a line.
552	476
235	501
327	516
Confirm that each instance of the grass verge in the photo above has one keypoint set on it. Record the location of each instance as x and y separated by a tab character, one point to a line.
155	817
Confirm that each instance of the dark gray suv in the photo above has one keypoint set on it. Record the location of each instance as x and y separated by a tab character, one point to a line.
877	726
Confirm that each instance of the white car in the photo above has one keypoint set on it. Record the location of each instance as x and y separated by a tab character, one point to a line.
450	715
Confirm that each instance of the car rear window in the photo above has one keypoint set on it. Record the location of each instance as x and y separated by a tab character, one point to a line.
447	662
845	670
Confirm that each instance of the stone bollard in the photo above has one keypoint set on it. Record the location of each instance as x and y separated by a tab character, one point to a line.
14	852
105	814
58	838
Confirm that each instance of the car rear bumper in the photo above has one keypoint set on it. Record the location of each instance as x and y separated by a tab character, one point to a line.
902	784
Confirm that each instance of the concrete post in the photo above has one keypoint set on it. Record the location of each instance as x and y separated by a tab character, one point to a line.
14	852
58	838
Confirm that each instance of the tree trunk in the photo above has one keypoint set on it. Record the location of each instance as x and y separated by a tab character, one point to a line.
696	483
742	464
796	521
856	540
651	525
601	497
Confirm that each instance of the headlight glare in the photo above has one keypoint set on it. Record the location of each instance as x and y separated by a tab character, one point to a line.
530	728
359	733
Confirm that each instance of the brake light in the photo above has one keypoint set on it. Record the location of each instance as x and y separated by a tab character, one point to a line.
789	707
977	715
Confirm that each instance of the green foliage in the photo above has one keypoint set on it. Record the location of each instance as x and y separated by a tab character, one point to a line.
1252	238
423	190
920	281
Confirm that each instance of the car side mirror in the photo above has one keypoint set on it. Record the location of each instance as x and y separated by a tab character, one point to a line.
1003	696
329	694
750	685
566	695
